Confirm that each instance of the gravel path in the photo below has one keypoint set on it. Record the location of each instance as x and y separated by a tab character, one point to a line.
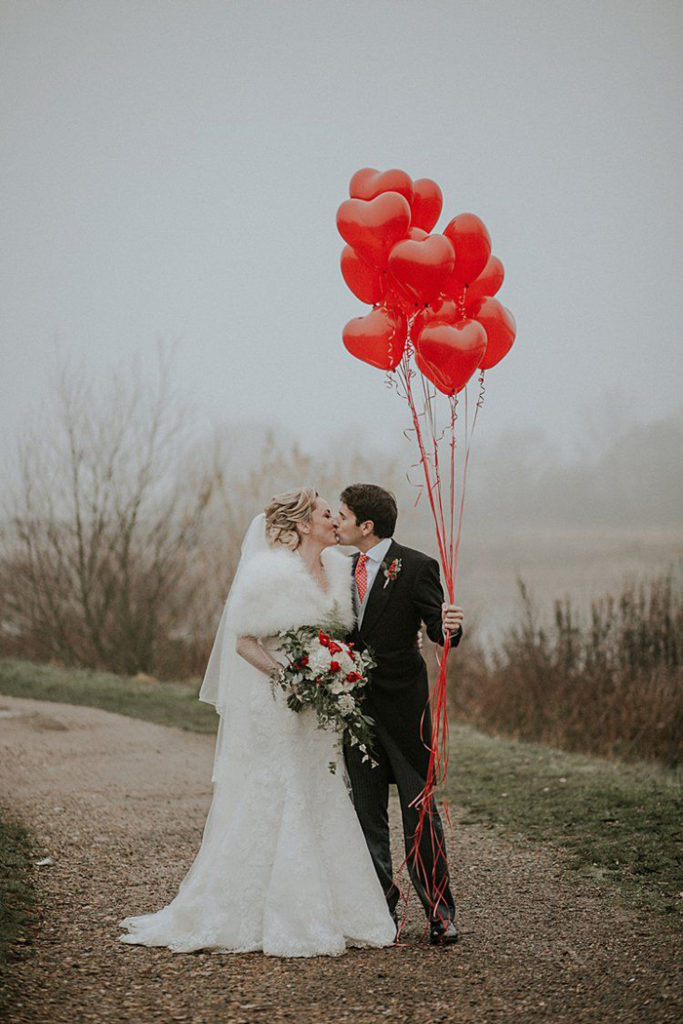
120	804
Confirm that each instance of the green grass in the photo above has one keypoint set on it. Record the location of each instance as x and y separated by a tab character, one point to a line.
17	900
617	823
164	703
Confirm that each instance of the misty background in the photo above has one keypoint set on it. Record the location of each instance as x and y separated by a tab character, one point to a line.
170	174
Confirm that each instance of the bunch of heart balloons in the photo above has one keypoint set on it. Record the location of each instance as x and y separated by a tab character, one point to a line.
433	302
432	294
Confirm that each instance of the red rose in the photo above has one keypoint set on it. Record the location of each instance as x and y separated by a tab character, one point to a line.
335	666
303	660
323	639
334	647
353	677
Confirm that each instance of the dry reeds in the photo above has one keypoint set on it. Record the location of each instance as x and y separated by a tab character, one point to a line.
608	683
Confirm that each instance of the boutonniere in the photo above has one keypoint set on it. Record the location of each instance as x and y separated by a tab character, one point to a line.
391	570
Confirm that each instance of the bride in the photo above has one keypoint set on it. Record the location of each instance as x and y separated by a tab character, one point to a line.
283	865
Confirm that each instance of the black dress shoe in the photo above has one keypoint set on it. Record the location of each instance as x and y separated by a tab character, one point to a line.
442	933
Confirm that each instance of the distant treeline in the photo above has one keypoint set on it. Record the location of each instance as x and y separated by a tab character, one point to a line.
636	481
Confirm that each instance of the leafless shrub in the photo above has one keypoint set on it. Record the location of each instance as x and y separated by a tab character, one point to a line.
608	683
101	526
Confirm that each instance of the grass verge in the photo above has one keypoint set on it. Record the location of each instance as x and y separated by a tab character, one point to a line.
164	703
17	900
615	822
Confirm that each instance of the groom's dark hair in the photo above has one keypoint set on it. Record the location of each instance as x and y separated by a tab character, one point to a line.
368	501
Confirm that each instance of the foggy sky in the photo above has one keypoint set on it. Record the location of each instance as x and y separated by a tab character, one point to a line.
172	169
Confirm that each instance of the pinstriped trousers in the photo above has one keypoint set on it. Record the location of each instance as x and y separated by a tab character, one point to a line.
370	787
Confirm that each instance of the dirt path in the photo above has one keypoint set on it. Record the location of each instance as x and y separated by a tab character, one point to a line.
120	805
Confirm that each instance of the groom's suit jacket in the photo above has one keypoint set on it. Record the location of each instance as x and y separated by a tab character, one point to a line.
398	694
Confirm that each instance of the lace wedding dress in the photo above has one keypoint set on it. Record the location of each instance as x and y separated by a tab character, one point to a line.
283	866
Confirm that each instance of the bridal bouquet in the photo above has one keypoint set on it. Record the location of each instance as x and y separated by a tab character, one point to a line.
329	676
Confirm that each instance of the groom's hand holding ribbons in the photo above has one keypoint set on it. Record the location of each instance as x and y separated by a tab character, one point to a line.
451	618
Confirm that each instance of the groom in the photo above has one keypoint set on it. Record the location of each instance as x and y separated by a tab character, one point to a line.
395	590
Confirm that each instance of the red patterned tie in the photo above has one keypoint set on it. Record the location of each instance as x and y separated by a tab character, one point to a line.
361	577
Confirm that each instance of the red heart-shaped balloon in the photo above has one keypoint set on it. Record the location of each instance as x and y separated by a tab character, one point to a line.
500	327
366	282
417	234
488	282
399	299
368	183
443	310
372	227
378	338
427	203
472	245
423	267
450	353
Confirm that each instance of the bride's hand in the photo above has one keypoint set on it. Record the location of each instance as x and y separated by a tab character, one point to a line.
249	648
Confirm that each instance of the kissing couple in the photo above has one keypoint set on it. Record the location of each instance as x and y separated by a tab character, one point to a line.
288	864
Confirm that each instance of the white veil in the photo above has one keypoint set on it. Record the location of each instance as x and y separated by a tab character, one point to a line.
227	674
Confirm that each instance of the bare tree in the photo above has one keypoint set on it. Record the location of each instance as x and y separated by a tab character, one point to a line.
102	524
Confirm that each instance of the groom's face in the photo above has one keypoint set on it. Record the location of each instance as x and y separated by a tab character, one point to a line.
348	530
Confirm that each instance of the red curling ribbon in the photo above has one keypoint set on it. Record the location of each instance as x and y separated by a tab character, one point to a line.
398	266
440	486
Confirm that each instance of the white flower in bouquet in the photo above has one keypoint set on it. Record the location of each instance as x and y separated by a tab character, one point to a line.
319	659
345	660
337	685
346	704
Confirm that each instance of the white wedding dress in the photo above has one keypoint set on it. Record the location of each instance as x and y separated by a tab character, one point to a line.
283	866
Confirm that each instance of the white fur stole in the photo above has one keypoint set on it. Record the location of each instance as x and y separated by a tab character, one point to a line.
275	592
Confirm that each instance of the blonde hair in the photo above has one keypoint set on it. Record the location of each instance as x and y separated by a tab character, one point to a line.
285	511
